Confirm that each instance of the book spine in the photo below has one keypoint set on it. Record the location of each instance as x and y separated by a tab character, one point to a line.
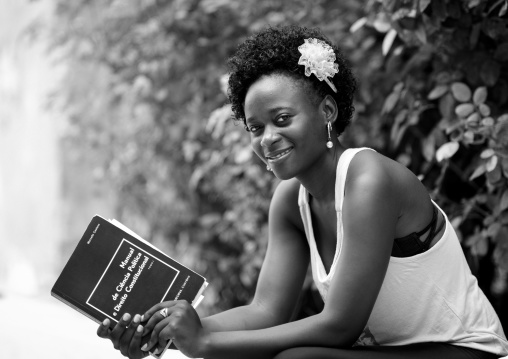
70	304
199	294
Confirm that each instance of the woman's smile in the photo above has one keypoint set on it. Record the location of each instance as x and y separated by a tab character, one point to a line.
278	155
285	125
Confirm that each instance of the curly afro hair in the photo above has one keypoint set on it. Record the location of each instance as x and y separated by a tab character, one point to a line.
275	51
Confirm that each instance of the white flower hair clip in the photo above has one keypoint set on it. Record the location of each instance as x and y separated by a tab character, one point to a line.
319	59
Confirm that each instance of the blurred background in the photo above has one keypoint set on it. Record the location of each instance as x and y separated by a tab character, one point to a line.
119	109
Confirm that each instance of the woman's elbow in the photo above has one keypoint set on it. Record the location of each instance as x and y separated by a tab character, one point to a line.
338	332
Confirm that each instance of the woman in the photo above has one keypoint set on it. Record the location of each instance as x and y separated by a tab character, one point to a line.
384	257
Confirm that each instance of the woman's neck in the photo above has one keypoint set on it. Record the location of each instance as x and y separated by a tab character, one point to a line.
319	179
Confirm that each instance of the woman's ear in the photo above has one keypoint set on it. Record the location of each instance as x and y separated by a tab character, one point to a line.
328	108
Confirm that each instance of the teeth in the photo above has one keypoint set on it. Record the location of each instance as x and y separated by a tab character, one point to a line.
280	154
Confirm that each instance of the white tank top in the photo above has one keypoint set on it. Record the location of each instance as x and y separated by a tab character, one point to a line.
428	297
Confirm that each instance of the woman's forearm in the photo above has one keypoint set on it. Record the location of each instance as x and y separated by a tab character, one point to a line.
265	343
248	317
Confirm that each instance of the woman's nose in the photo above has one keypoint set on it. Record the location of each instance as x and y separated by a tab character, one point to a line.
270	136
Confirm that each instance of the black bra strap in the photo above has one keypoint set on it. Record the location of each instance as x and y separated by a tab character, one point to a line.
433	231
411	244
431	224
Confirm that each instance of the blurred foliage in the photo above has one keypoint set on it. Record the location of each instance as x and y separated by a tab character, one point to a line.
445	116
145	93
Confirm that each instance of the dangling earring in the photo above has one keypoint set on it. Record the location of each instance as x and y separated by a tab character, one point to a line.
268	168
329	143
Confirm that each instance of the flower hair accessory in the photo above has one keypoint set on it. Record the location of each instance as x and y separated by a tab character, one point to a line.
319	59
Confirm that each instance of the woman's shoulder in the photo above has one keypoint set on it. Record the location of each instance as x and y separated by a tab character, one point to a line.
286	195
381	177
376	173
370	166
373	166
288	190
284	204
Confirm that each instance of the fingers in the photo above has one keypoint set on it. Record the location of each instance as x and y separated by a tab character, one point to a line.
156	308
156	328
103	331
134	350
154	316
163	327
119	329
128	335
166	334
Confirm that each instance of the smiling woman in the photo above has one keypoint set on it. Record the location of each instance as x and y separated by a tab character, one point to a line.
384	257
283	127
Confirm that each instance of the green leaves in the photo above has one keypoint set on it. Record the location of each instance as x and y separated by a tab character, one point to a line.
446	151
473	3
464	109
388	41
392	98
437	92
503	204
490	72
433	81
461	92
460	95
480	95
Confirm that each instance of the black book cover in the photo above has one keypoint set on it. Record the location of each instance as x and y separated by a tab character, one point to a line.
111	272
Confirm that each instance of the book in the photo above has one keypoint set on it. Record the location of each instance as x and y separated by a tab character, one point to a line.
113	271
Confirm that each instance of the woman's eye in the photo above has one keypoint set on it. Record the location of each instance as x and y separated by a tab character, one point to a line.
282	118
252	128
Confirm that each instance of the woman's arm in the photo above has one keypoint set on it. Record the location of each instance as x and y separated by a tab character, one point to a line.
279	283
370	213
246	317
278	288
283	271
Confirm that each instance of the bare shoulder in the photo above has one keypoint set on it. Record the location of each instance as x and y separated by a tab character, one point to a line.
284	205
288	191
375	176
373	169
395	184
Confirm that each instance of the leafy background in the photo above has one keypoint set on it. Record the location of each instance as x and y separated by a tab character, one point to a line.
145	95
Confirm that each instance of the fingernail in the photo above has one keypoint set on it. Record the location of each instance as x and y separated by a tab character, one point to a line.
139	328
157	351
136	319
105	322
126	316
142	318
144	347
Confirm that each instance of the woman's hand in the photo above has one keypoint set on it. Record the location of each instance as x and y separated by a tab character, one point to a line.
180	323
125	336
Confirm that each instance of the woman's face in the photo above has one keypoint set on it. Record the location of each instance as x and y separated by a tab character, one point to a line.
288	131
